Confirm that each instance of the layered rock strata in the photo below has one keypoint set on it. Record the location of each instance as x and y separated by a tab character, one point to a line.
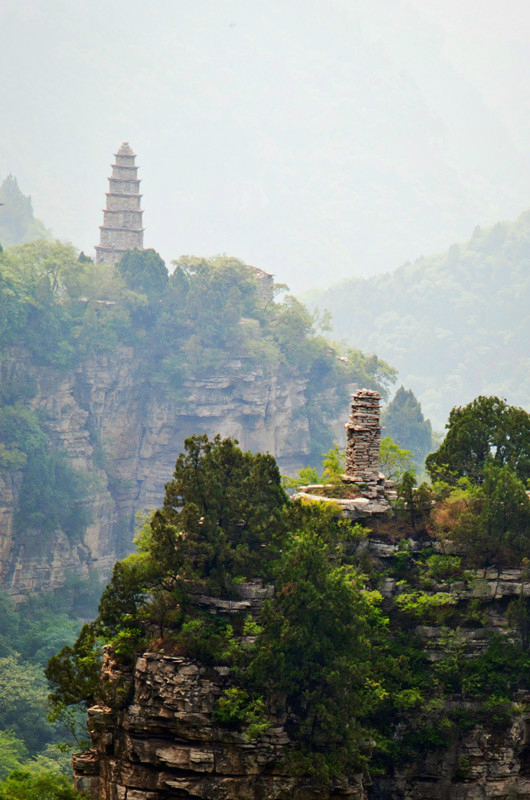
166	743
123	433
363	434
355	509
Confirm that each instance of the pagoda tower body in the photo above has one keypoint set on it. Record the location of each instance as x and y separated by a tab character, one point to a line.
363	432
122	218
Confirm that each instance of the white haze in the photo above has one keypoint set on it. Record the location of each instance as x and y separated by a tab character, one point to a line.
317	139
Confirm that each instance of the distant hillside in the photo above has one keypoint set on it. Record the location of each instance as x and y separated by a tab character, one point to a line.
455	325
17	222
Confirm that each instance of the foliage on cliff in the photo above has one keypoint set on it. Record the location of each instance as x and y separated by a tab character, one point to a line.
485	432
23	784
29	634
482	469
404	423
52	493
225	519
209	318
348	667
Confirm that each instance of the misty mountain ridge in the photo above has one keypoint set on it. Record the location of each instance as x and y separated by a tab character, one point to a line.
18	224
455	324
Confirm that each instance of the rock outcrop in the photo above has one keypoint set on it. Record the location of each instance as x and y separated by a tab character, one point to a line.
481	764
166	744
363	432
162	742
124	433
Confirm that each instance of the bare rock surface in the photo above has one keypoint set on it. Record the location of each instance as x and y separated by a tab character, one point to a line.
166	744
124	433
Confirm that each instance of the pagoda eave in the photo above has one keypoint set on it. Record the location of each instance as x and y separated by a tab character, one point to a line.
123	194
123	210
121	228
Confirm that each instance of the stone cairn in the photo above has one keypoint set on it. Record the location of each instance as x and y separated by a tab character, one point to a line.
122	218
363	433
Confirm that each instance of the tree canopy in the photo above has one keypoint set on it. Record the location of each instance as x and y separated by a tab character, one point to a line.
144	271
404	423
485	431
223	509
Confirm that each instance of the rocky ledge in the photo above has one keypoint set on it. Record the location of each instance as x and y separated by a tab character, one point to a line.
366	505
166	744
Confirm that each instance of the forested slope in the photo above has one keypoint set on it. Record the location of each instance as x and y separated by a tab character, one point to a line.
103	374
455	325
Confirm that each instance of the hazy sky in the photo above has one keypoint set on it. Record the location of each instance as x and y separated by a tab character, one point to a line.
316	139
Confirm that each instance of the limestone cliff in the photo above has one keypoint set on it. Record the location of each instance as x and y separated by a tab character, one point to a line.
164	743
124	433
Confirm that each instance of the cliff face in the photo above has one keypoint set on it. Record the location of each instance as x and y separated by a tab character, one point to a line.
482	764
164	742
124	433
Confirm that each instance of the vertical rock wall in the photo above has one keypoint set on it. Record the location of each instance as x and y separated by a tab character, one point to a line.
166	744
124	433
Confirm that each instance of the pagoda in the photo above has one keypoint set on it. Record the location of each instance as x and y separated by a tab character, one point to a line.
363	433
122	218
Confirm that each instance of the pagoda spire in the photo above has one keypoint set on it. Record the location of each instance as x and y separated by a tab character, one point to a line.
122	218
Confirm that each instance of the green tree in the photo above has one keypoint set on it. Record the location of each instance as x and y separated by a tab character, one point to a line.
394	460
219	511
504	520
144	271
75	671
305	477
13	753
334	464
413	504
316	649
490	522
25	785
52	495
403	422
222	519
485	431
23	707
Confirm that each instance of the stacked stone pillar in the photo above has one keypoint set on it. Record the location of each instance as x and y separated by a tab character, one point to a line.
122	218
363	433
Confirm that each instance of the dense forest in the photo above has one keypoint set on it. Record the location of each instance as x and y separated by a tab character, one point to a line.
455	325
